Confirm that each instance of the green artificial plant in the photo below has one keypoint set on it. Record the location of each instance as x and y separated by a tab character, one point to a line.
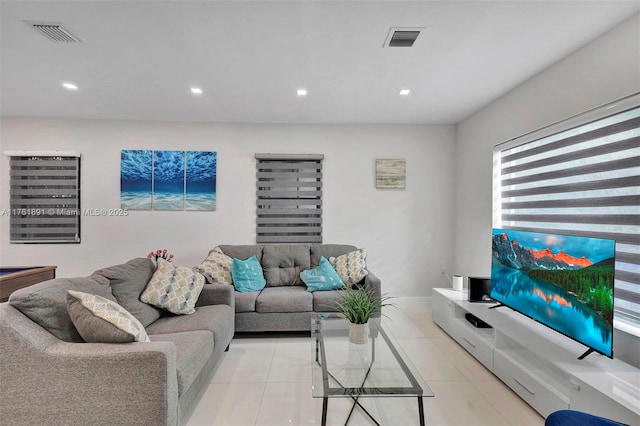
358	304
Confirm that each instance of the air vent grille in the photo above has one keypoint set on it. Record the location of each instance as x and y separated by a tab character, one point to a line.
55	32
402	37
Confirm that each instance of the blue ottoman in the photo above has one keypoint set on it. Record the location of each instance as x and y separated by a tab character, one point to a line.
577	418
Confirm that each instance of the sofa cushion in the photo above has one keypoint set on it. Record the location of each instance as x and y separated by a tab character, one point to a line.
216	268
242	252
326	301
282	264
284	299
193	350
328	250
247	275
174	288
324	277
218	319
127	283
246	302
352	267
99	320
45	303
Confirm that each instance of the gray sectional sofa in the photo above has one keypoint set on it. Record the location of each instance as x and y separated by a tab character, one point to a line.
284	304
49	375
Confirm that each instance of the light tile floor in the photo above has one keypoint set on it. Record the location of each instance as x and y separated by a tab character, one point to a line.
266	380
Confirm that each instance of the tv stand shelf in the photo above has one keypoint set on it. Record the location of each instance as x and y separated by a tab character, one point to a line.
538	363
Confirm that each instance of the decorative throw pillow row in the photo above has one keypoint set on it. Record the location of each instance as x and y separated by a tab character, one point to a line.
247	275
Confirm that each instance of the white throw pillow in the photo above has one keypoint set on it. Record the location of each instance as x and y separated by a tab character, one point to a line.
351	267
100	320
174	288
216	268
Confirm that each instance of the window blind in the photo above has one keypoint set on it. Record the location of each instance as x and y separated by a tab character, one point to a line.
585	181
44	199
289	198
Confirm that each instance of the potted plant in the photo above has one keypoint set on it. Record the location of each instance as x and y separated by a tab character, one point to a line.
358	305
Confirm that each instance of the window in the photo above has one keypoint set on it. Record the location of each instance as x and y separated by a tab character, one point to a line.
44	198
289	198
580	177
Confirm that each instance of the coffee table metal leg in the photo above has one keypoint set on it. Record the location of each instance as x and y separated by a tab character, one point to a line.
421	410
325	402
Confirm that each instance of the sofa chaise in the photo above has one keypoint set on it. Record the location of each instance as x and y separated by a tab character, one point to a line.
50	375
284	304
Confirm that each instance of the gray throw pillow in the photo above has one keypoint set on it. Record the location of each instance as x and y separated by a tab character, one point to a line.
127	283
45	303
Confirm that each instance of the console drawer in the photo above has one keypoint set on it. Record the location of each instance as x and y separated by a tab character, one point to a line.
469	338
544	398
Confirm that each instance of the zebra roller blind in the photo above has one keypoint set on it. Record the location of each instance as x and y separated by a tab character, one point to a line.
289	198
44	199
584	180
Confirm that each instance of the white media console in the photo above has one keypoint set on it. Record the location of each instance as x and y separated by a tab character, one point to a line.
538	363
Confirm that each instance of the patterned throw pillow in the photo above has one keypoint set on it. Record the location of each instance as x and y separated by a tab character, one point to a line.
247	275
216	268
324	277
174	288
99	320
351	267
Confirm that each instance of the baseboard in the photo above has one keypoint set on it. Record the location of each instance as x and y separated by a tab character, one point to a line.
412	303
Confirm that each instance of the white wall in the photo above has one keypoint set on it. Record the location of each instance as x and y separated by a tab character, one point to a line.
604	70
408	233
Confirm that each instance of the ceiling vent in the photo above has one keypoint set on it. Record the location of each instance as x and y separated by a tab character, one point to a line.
402	37
55	31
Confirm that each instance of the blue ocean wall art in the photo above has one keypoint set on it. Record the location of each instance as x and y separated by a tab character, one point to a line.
168	180
200	188
136	179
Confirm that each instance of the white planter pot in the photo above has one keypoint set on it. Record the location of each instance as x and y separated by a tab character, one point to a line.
358	333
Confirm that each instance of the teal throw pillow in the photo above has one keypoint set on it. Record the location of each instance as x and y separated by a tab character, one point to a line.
324	277
247	275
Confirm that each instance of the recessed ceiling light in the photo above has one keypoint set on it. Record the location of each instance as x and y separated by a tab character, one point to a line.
69	86
196	91
405	92
302	92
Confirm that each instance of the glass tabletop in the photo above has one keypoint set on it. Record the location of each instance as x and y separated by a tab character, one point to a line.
377	368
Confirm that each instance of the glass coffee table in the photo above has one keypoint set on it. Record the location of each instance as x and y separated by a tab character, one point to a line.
378	368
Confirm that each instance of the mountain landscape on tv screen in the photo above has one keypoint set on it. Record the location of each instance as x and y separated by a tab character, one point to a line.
590	284
513	255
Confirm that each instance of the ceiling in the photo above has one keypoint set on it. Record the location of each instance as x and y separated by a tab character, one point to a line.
140	58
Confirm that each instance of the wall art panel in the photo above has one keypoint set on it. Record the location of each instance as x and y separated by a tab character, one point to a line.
136	179
200	192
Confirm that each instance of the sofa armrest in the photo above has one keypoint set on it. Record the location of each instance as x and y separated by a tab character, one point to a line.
217	294
373	283
44	380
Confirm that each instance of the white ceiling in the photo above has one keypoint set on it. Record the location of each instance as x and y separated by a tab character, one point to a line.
140	58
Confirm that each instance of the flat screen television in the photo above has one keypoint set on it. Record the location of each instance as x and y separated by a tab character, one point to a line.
564	282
